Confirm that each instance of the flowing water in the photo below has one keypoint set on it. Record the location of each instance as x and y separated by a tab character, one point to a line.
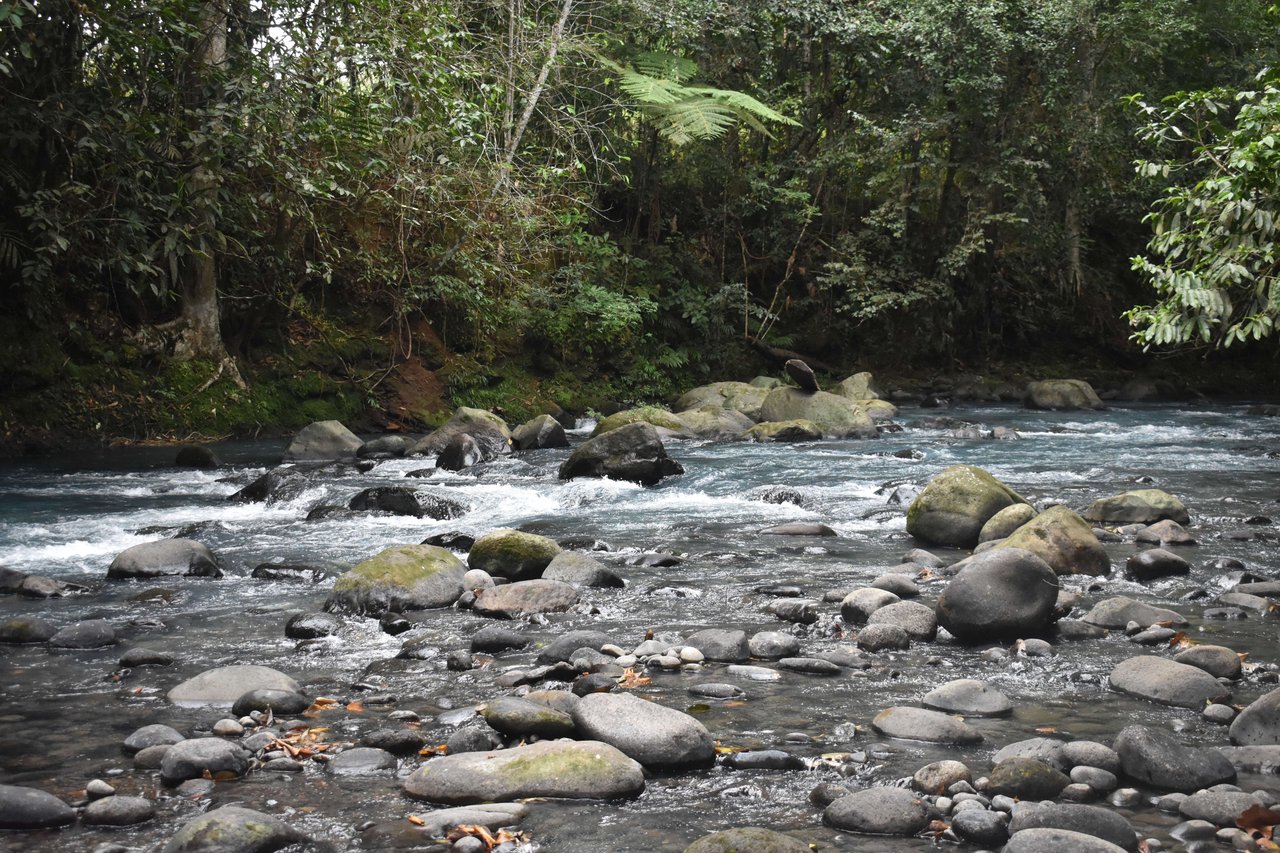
64	715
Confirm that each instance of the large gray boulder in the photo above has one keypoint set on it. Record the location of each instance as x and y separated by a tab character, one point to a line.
580	770
1065	394
1154	758
1002	593
1167	682
489	432
167	557
633	452
512	554
222	686
1118	611
405	577
956	504
323	440
580	570
203	756
715	424
232	829
541	432
525	598
1259	723
836	416
31	808
968	697
1063	540
1042	840
924	725
1090	820
740	839
859	386
653	734
739	397
879	811
1140	506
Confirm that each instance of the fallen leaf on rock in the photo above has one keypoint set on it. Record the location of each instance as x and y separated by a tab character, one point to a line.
1257	817
438	749
630	678
355	707
416	821
1047	730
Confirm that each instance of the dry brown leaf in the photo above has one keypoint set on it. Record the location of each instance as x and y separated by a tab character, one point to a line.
630	678
1258	817
355	707
438	749
1047	730
416	821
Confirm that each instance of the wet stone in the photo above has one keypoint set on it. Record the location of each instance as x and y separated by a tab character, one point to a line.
809	666
979	826
155	734
878	638
879	811
1026	779
923	725
362	761
119	811
772	645
31	808
968	697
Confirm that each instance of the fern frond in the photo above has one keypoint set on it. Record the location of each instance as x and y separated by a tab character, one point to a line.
693	118
666	66
744	103
650	90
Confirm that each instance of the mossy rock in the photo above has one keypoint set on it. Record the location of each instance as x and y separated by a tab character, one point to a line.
879	410
956	504
490	432
835	416
715	423
747	839
405	577
1063	540
859	386
741	397
512	554
232	828
1061	394
1140	506
793	430
655	415
560	768
1006	521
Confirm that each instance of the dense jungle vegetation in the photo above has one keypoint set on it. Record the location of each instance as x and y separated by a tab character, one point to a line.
228	215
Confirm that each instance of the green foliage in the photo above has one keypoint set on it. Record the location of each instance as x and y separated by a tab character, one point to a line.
1214	257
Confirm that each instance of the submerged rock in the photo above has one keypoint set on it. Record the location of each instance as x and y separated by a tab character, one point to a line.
924	725
968	697
743	838
223	685
31	808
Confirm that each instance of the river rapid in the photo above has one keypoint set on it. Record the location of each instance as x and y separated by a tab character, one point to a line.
65	714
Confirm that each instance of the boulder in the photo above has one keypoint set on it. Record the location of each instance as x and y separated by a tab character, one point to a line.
396	500
309	626
222	686
275	486
858	605
385	446
323	440
924	725
715	424
1045	750
716	644
512	554
167	557
26	630
801	374
516	717
1142	506
1220	808
489	431
88	634
1119	611
1005	522
652	734
739	397
362	761
195	757
1154	758
1059	841
968	697
1065	394
918	620
956	504
232	829
632	452
1089	820
835	416
196	456
1025	779
525	598
542	432
1155	563
492	816
1063	540
1003	593
739	839
1166	532
580	570
879	811
876	638
939	776
459	452
562	769
1259	723
1167	682
793	430
156	734
859	386
653	415
981	827
31	808
263	699
119	811
404	577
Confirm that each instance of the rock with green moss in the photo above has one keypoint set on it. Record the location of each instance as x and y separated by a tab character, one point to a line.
633	452
405	577
715	424
323	440
1140	506
1063	540
232	829
517	717
512	554
879	410
740	397
956	504
859	386
747	839
836	416
794	430
655	415
1026	779
1005	522
576	770
1063	394
489	431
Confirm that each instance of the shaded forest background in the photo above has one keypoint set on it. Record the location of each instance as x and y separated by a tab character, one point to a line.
224	216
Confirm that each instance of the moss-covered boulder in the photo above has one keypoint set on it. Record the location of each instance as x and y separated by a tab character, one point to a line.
1005	522
744	398
747	839
512	554
1064	394
489	431
879	410
956	504
715	424
405	577
323	440
797	430
633	452
859	386
1063	540
576	770
655	415
232	829
1140	506
836	416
